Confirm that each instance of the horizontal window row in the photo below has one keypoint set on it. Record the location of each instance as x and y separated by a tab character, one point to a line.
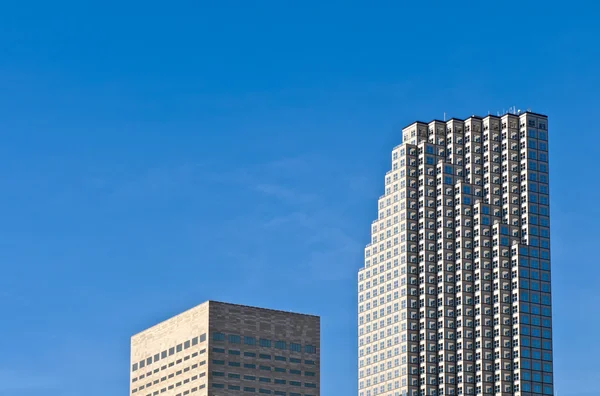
187	392
265	391
263	342
262	379
172	375
264	356
253	366
172	386
169	352
171	364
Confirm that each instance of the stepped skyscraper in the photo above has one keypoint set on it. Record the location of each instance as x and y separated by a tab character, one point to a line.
454	297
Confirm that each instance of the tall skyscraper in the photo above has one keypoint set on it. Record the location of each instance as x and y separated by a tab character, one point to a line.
221	349
454	295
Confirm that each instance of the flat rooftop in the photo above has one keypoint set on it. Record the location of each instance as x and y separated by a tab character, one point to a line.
209	302
477	117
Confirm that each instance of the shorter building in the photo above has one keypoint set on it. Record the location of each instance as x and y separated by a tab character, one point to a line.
221	349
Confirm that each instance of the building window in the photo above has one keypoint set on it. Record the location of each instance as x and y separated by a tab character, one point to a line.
310	349
218	337
280	345
295	347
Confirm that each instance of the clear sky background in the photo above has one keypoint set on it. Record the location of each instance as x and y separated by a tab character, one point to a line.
157	154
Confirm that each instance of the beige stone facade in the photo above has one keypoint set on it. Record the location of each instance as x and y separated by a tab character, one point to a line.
227	349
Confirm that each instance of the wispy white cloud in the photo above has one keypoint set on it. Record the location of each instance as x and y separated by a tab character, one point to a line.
159	180
288	163
315	224
297	218
12	380
363	185
272	178
327	251
284	192
334	259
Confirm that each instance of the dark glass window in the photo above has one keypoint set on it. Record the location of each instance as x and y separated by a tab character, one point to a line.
280	345
310	349
218	337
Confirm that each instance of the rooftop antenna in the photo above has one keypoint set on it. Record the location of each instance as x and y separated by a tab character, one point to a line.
444	116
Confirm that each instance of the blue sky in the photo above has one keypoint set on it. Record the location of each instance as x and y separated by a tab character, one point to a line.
154	155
